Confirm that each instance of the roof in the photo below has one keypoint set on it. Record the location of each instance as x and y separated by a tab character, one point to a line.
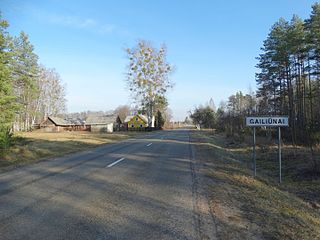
101	119
75	121
59	121
122	118
143	117
128	118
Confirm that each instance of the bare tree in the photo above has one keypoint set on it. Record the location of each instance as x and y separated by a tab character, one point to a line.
168	115
212	105
51	94
122	111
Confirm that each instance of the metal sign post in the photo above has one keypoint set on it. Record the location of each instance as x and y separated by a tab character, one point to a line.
281	121
254	153
279	152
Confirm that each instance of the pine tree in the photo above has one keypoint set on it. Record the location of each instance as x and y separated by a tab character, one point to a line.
6	88
313	40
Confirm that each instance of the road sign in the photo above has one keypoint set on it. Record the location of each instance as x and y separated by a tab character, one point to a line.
272	121
267	121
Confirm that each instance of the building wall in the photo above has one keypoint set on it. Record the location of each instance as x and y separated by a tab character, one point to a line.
53	128
102	128
137	122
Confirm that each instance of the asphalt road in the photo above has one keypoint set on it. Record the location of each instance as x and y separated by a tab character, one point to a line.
143	188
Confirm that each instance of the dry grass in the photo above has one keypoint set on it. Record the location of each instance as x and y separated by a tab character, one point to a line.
34	146
256	208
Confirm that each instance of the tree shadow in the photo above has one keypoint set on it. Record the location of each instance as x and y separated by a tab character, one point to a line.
147	196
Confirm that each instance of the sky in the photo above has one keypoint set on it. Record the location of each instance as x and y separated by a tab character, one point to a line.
213	45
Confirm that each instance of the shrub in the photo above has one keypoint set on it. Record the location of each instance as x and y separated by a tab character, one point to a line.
6	138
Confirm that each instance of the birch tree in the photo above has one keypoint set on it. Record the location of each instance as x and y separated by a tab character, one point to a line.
51	98
148	76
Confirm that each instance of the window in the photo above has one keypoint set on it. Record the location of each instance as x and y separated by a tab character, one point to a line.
141	125
137	119
132	125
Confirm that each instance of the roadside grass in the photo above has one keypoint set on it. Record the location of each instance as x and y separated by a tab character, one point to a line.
31	147
258	208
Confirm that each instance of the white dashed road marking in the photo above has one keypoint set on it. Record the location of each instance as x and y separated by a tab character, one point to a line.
114	163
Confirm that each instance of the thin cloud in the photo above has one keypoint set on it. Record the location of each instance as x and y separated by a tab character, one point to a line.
76	22
86	24
90	25
71	21
107	28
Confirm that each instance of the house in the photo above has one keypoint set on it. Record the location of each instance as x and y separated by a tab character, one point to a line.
56	124
103	123
137	122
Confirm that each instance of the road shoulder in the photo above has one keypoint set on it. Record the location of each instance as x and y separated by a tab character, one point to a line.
244	207
204	220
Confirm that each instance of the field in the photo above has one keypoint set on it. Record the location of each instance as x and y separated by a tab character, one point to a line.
244	207
30	147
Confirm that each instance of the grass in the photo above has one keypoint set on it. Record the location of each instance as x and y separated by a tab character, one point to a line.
258	208
31	147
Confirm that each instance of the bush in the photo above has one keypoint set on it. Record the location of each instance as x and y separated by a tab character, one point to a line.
6	138
315	138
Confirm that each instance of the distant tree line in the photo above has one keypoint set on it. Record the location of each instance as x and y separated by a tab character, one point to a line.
28	91
288	82
230	115
289	77
203	117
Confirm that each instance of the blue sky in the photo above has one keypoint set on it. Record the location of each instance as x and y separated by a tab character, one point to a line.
212	44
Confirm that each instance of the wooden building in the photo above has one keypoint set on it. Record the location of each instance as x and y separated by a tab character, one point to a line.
104	123
56	124
137	122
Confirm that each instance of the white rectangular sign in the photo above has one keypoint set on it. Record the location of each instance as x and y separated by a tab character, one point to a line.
267	121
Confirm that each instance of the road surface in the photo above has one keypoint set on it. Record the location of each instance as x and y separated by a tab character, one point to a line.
144	188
